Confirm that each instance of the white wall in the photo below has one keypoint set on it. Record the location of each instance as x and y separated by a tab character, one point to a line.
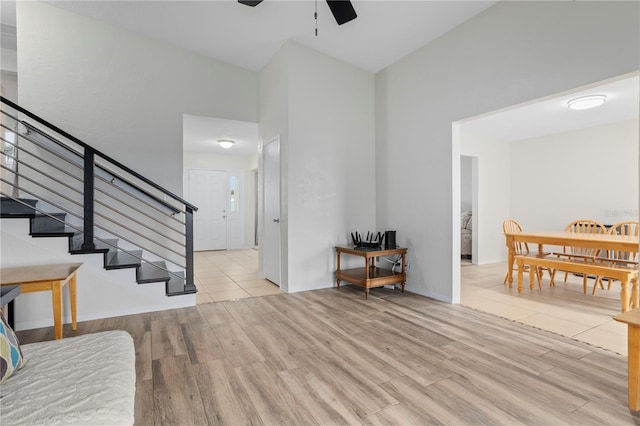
8	60
126	95
325	116
331	162
587	174
511	53
100	293
123	93
243	163
494	172
9	85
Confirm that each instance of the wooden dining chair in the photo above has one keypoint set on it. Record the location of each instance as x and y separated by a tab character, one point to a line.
512	226
630	228
582	226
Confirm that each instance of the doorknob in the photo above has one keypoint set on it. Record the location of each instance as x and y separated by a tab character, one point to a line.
276	220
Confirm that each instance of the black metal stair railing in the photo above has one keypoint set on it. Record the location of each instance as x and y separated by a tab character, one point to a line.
101	197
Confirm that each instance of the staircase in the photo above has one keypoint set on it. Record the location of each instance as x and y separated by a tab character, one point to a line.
66	188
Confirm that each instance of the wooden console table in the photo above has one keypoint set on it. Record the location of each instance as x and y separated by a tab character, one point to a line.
370	276
43	278
632	319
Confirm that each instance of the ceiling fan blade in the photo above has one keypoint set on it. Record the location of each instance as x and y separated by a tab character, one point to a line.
252	3
342	10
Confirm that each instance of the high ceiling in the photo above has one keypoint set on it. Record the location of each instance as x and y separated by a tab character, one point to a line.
383	32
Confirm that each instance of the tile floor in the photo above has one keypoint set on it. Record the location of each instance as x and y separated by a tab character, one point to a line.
563	309
228	275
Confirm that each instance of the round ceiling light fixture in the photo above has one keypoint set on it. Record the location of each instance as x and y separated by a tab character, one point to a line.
587	102
226	143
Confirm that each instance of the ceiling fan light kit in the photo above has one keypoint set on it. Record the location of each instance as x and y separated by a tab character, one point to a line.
342	10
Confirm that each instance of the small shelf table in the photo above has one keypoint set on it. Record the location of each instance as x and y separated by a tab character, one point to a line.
371	276
46	278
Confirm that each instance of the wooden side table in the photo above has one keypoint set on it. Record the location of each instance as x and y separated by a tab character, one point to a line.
632	319
46	278
370	276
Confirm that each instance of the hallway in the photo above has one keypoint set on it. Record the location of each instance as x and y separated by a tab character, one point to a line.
229	275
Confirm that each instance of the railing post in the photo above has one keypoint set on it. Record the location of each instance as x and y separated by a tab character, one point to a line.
87	243
188	223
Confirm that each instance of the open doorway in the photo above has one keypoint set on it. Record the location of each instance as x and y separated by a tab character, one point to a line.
468	179
220	157
546	165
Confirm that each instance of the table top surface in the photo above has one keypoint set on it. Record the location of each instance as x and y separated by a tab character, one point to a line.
34	273
631	317
550	237
371	252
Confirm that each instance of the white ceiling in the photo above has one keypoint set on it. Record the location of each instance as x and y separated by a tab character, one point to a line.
383	32
550	116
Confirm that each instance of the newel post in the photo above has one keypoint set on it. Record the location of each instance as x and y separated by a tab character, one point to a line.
190	283
89	190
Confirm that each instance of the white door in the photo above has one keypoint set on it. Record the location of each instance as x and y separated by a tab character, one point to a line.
271	242
208	192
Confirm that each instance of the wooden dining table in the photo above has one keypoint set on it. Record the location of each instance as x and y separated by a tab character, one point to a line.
627	243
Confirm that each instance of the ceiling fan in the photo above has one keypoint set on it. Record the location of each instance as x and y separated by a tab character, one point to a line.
342	10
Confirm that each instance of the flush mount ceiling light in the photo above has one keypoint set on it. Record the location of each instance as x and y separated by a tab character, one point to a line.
226	143
587	102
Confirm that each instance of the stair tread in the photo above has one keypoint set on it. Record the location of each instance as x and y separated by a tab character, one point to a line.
75	245
10	208
123	259
45	226
176	285
148	272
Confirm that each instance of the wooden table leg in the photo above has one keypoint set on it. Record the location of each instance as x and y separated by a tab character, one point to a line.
510	260
624	294
56	298
634	293
634	366
520	272
338	271
72	301
366	278
532	271
403	272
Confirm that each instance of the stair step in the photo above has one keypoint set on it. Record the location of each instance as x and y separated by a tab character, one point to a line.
176	286
149	272
75	245
123	259
45	226
12	209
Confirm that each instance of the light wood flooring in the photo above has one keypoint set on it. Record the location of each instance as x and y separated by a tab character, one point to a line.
330	357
